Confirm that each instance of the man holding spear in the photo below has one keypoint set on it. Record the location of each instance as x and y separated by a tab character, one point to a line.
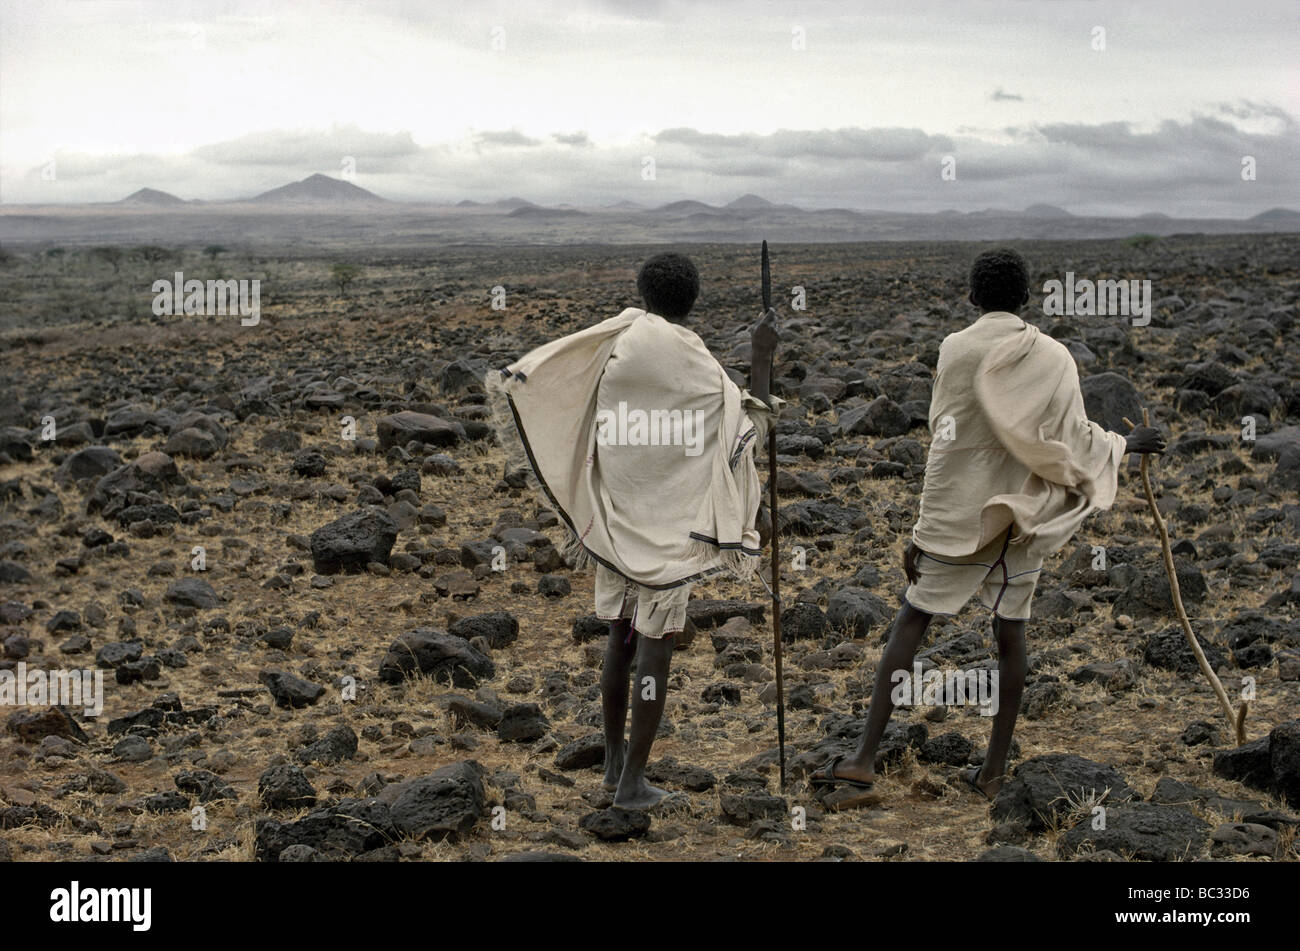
644	447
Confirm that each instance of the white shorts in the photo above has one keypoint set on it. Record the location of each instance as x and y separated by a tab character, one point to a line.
653	612
1005	576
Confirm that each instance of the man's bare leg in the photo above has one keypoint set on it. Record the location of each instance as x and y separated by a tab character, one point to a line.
619	650
909	627
649	691
1013	667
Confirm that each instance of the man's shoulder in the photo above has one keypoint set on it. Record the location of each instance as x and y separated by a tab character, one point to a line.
661	342
662	328
984	334
964	342
628	315
1055	352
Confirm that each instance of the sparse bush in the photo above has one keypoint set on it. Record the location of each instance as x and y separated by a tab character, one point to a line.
109	254
343	275
153	254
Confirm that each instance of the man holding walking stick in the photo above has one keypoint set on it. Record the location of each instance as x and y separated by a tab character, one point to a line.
1014	468
645	448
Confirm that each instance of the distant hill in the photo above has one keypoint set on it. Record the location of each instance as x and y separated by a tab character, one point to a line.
318	189
1278	216
1046	211
149	214
688	206
749	202
152	197
536	211
502	204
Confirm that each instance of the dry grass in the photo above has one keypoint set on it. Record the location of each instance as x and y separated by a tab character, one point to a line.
925	808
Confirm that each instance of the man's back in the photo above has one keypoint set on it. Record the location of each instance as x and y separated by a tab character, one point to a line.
967	465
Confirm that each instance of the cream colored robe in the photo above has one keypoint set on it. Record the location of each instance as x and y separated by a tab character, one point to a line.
1011	443
633	497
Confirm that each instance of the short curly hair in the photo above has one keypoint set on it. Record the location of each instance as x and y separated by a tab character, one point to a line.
999	280
669	284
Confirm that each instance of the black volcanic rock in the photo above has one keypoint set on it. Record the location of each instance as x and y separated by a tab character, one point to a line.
285	787
341	830
1146	831
1042	787
290	691
436	654
523	723
441	806
353	541
500	628
398	429
150	472
616	825
90	462
881	417
1169	649
1210	378
857	611
1150	595
335	746
192	593
1108	398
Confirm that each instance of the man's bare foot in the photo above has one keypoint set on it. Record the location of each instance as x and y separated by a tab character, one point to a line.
638	795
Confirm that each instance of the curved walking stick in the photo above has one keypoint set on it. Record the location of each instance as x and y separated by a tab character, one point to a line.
1236	719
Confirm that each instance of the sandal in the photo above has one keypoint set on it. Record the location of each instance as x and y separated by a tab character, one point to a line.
826	776
971	776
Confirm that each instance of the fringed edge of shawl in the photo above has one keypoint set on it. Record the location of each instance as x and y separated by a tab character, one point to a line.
512	441
731	561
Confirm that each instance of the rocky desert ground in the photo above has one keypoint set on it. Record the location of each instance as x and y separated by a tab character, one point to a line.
280	544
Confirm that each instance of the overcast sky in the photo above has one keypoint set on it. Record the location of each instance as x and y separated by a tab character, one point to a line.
565	101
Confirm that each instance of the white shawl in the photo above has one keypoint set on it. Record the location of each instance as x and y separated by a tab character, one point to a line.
642	445
1012	443
1028	387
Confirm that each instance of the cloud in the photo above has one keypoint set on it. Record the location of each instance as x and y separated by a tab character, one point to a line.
877	145
999	96
1182	167
309	149
510	138
572	138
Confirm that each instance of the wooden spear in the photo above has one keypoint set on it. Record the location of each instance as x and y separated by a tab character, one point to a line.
776	552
